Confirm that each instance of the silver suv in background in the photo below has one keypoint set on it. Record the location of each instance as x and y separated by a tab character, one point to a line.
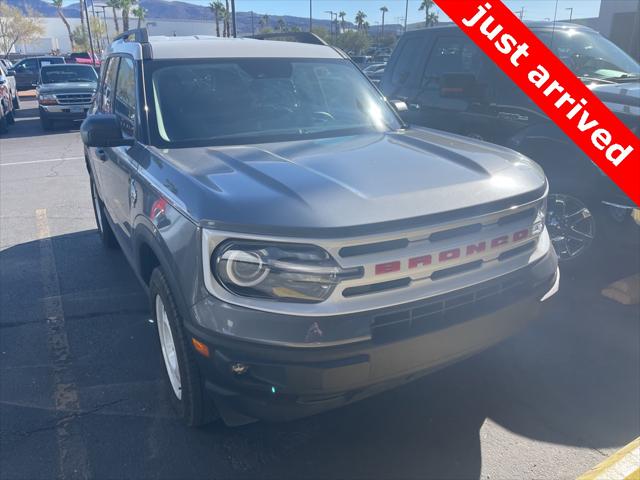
301	246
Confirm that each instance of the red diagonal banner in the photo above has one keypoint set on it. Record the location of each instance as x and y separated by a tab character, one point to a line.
553	87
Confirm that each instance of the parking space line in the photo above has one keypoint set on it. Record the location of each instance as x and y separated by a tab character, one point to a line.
622	465
10	164
73	459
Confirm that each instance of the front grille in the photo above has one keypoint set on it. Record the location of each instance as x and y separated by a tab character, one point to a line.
74	98
457	307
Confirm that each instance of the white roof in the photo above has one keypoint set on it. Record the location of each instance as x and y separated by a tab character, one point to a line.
200	46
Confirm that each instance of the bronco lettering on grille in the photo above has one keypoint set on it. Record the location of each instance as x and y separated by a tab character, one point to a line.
452	253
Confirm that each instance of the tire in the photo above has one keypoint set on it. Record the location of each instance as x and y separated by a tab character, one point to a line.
4	126
47	124
11	117
104	228
184	382
16	102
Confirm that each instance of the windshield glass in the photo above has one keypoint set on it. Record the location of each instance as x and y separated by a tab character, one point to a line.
65	74
590	55
262	100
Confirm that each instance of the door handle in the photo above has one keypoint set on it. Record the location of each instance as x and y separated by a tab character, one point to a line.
101	154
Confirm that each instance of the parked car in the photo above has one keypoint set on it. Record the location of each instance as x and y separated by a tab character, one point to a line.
361	60
7	113
65	92
7	63
449	84
84	58
10	81
27	71
375	71
302	248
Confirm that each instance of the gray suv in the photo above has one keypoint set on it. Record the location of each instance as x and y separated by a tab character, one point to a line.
301	246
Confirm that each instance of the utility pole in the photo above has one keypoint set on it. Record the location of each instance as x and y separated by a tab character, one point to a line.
86	14
570	12
406	13
310	15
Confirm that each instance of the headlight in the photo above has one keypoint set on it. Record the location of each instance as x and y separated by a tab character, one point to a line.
47	100
541	215
285	272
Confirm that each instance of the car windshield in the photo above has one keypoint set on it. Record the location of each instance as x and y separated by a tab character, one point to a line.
66	74
590	55
235	101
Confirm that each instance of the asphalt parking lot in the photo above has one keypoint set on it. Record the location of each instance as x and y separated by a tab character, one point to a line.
81	381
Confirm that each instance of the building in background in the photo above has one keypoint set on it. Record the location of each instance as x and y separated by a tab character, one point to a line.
619	20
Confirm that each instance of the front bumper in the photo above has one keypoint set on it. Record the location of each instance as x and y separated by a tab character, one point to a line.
406	341
64	112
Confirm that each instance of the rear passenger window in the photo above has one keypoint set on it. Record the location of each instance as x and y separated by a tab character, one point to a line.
452	55
108	87
408	60
125	101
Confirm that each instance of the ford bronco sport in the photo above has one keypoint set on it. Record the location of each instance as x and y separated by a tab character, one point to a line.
301	247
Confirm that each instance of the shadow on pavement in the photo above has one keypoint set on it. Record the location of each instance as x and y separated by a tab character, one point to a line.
570	379
28	125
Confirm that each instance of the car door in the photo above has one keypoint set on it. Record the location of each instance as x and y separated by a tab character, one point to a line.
455	92
26	73
116	167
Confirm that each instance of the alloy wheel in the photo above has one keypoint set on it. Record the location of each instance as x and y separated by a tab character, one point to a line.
168	348
571	226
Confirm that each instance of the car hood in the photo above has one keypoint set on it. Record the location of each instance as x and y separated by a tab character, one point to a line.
344	181
67	87
621	98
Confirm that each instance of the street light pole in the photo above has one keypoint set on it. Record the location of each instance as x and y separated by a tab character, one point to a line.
570	12
310	15
406	13
86	14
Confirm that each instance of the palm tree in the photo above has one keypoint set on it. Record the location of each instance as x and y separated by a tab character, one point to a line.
430	19
126	5
139	13
227	17
114	4
281	25
58	5
218	12
342	15
264	21
360	16
384	10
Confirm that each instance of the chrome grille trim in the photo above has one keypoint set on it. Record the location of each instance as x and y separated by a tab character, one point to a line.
74	98
420	284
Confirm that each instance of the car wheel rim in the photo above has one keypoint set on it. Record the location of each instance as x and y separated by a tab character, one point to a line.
96	206
168	348
571	226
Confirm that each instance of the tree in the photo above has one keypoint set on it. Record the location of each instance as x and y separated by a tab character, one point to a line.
430	19
281	25
125	5
264	22
58	6
16	26
82	38
139	13
114	4
351	41
360	16
342	23
227	17
384	10
218	12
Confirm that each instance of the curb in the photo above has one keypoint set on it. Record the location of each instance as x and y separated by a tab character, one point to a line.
622	465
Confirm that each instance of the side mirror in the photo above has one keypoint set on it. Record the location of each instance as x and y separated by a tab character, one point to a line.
458	85
11	73
103	131
399	105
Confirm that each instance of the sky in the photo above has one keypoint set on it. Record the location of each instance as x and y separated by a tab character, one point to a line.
533	9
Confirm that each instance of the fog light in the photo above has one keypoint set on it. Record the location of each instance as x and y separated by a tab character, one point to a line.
239	368
635	214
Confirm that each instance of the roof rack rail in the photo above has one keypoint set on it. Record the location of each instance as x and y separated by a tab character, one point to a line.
139	35
299	37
